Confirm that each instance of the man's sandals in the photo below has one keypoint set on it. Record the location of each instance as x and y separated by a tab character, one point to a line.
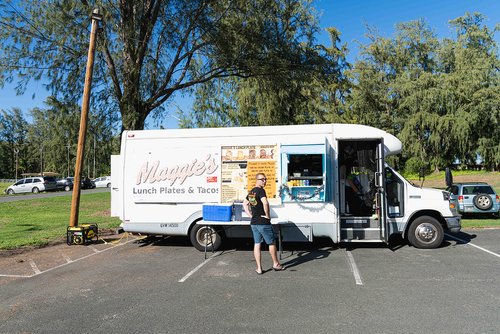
278	268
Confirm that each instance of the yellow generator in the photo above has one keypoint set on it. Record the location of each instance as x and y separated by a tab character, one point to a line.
81	235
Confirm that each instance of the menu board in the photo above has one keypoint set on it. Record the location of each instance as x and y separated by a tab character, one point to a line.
239	166
267	167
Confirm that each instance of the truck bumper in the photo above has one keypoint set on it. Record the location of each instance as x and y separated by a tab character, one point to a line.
453	224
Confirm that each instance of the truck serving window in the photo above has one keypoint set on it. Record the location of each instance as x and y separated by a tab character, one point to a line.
306	169
303	170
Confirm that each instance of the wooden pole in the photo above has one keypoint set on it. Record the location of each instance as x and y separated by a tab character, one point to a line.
75	200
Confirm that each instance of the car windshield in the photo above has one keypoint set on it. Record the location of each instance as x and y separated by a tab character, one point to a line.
477	189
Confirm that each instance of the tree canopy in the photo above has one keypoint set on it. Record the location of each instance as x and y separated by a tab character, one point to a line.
48	142
307	95
252	63
149	49
440	97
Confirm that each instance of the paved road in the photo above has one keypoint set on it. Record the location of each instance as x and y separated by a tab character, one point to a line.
23	197
167	287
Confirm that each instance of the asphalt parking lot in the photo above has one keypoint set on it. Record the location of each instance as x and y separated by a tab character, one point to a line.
166	286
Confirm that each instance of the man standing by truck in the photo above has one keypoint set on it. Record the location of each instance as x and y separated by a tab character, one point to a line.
256	206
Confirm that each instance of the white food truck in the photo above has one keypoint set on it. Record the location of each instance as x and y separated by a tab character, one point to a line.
325	180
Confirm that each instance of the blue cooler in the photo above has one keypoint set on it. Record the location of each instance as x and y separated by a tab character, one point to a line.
217	212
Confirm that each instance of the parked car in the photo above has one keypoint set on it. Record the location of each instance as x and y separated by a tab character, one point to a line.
65	184
476	198
103	181
33	184
85	182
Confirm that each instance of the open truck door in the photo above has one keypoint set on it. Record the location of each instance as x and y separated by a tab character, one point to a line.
362	190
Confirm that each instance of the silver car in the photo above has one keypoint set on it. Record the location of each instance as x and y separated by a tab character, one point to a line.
103	182
32	185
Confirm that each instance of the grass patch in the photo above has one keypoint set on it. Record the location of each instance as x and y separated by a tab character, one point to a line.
437	180
3	186
470	223
42	221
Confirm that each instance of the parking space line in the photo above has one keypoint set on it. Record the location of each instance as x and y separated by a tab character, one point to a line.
471	244
34	267
94	249
354	268
66	257
182	280
17	276
38	272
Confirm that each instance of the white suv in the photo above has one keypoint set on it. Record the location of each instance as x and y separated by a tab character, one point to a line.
32	185
103	182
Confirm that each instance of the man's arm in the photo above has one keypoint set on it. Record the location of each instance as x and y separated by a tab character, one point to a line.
353	185
246	207
265	204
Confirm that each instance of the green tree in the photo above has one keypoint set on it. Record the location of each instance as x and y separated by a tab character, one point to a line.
13	129
311	92
53	139
441	98
476	77
150	49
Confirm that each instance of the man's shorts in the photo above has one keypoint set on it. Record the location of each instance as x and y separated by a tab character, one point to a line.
263	232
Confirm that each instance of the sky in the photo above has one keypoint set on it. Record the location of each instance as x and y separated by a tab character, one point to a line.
349	17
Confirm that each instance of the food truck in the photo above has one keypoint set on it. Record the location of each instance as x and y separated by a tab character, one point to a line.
324	180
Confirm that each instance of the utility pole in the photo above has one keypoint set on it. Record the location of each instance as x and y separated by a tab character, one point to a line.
75	200
68	147
94	155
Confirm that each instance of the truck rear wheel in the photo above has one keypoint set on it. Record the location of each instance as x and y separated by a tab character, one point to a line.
425	232
202	236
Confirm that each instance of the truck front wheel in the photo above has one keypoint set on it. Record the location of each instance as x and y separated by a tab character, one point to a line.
425	232
202	236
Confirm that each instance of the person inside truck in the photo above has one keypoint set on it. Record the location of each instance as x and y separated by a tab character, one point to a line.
256	206
352	189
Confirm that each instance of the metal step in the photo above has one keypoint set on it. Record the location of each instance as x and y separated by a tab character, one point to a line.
360	234
359	222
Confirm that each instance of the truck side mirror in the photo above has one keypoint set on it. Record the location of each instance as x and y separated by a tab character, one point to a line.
448	177
421	172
